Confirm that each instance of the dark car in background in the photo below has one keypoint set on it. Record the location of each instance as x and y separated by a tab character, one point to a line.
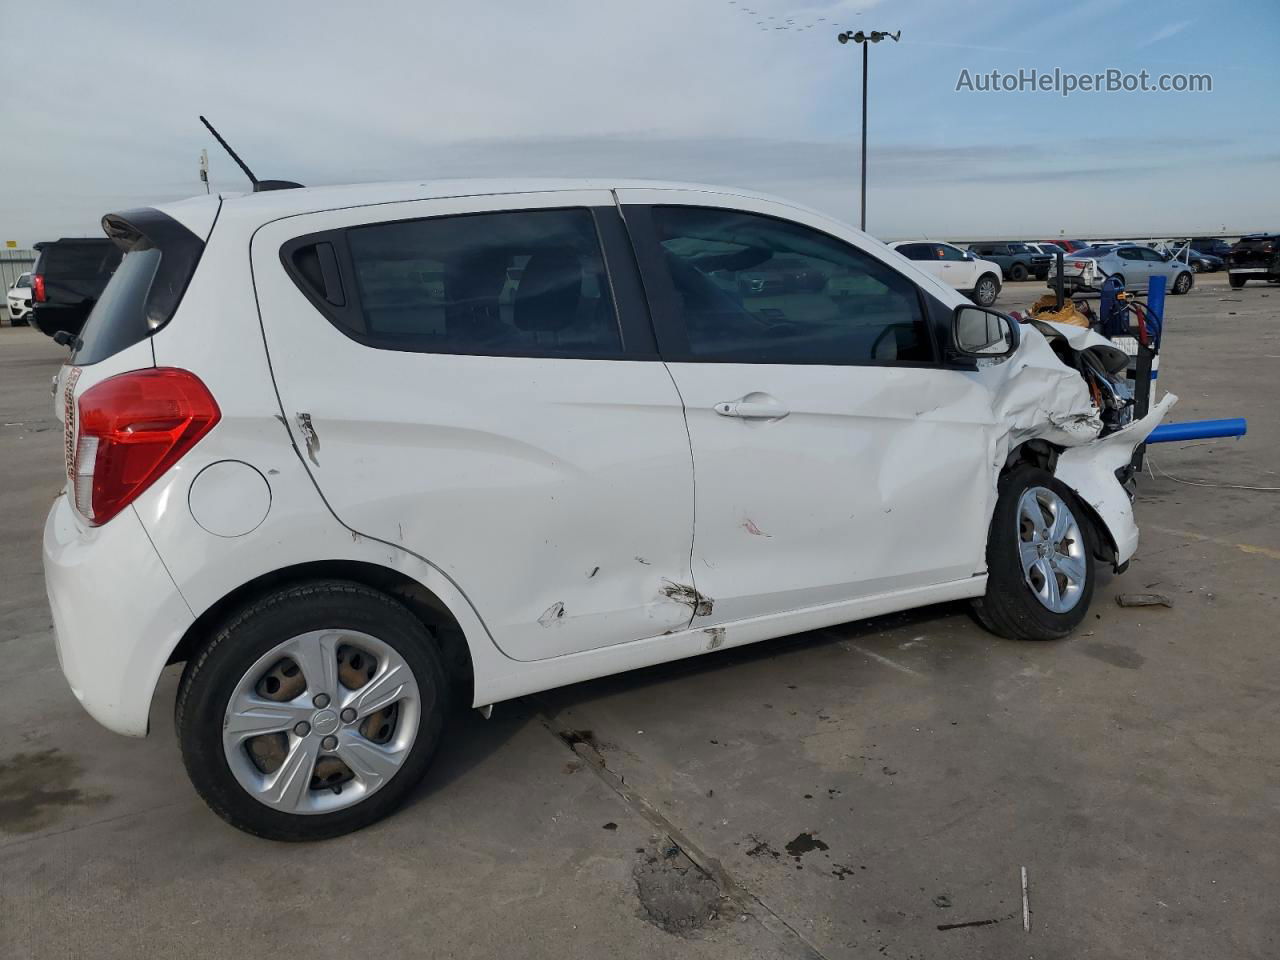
68	278
1255	257
1213	246
1016	259
1202	262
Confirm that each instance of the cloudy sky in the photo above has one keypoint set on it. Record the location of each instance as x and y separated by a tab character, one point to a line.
101	100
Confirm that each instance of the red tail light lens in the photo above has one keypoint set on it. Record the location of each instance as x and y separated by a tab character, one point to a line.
132	428
37	288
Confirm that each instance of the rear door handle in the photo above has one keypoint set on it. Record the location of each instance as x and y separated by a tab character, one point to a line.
754	406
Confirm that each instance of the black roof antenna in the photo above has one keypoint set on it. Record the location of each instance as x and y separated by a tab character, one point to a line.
258	185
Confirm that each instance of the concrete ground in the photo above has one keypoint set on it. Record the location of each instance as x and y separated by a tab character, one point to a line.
870	790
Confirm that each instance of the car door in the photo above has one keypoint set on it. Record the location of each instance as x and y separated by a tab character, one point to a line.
474	381
926	257
835	457
1158	266
1134	267
961	271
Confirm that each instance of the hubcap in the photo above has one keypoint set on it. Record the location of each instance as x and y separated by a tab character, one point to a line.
1051	549
321	721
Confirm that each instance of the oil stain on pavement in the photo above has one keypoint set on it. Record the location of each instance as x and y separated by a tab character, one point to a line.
36	787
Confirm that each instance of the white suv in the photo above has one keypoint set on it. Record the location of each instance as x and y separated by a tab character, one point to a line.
977	279
350	452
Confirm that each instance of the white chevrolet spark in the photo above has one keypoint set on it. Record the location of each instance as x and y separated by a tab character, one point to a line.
351	452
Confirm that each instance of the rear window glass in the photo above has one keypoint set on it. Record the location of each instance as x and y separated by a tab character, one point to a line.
520	283
74	271
119	317
146	288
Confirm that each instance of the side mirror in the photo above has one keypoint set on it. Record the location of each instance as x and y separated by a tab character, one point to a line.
983	334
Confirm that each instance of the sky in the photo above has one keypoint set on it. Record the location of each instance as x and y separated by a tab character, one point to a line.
746	93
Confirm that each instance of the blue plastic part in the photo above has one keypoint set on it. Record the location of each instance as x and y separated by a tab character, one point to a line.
1155	306
1198	430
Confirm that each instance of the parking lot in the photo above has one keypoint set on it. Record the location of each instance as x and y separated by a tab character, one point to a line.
875	789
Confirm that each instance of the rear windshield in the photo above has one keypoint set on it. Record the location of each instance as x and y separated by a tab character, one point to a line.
118	319
160	257
75	271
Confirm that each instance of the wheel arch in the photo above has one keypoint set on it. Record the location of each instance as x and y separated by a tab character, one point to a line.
1042	454
421	601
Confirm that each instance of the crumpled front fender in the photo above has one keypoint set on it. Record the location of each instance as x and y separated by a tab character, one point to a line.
1090	470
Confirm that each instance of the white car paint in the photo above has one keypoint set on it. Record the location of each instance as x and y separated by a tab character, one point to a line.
955	267
508	490
19	299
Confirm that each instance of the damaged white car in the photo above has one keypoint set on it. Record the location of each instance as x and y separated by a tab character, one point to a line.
352	452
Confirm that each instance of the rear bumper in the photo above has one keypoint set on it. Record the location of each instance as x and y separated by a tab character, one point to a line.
116	614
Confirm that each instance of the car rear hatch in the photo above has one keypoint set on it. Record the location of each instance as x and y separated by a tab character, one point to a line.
1256	252
160	255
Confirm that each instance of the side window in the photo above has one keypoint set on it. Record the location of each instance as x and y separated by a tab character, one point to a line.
518	283
914	251
1152	255
1130	253
753	289
950	253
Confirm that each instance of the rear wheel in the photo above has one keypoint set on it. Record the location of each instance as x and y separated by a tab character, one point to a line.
313	711
1118	278
1018	272
1040	559
1182	283
1236	282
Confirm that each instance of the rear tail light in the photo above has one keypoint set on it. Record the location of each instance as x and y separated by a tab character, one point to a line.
131	429
37	288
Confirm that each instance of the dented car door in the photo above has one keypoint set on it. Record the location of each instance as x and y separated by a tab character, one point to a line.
479	386
835	457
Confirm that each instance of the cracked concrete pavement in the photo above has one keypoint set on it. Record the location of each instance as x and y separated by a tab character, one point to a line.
870	790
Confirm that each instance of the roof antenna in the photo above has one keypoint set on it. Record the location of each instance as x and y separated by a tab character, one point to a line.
258	185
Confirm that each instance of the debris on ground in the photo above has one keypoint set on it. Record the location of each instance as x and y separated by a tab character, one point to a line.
675	895
1143	600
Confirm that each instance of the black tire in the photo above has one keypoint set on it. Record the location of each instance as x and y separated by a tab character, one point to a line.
1119	278
1182	283
986	290
1010	608
1236	282
1018	272
248	634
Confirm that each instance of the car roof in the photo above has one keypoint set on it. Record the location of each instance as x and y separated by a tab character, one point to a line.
273	204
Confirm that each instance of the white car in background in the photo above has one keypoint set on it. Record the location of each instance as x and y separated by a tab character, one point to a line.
20	301
977	279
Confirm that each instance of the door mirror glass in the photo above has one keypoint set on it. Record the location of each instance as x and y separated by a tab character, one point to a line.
977	332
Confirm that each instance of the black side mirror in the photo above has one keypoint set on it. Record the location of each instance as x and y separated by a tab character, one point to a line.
982	334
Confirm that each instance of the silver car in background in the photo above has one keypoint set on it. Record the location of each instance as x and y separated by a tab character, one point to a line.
1133	265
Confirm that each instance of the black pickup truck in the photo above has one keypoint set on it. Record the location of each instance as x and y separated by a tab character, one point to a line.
1255	257
67	280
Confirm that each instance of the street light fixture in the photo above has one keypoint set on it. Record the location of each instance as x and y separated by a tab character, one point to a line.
866	39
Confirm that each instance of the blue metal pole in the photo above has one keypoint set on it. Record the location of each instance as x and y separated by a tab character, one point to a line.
1198	430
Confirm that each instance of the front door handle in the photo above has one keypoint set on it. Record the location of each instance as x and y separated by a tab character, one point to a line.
754	406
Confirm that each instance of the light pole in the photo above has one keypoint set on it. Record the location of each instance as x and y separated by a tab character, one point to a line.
866	39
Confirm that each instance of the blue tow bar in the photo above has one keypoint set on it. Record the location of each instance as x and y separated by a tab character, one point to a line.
1198	430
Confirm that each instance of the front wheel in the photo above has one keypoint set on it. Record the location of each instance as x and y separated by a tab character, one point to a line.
986	290
1236	282
1183	283
1040	559
312	712
1018	272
